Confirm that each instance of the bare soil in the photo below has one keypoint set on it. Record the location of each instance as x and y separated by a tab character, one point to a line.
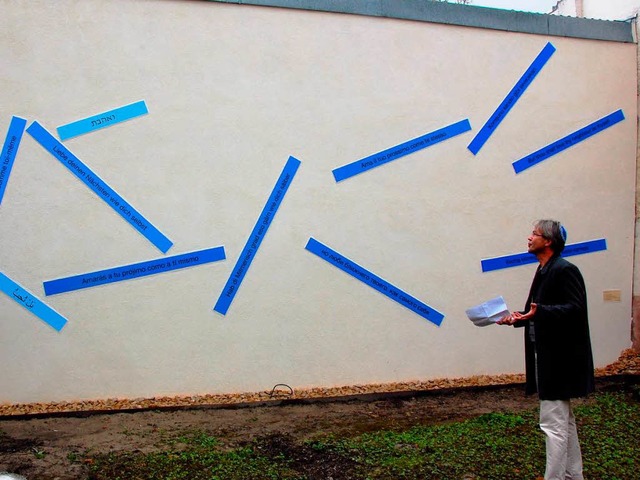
58	446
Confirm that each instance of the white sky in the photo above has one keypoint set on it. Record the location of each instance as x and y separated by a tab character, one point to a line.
538	6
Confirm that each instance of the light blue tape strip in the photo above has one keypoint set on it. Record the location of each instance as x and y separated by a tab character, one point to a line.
568	141
368	278
26	299
9	151
102	120
136	270
510	100
518	259
99	187
256	237
393	153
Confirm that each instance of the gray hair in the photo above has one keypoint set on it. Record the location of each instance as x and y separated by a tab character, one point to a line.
554	231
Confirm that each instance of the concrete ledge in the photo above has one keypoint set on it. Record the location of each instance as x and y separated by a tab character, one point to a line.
463	15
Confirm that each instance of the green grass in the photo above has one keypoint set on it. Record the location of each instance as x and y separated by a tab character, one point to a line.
194	463
610	438
494	446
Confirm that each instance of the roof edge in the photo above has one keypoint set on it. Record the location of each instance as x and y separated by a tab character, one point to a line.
463	15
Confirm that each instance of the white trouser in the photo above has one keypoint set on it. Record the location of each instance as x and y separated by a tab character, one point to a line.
564	460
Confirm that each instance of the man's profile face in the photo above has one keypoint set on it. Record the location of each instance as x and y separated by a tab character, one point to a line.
536	242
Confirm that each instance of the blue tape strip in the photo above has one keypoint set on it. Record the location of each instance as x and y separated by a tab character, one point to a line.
393	153
518	259
568	141
102	120
256	237
375	282
136	270
510	100
9	151
29	301
99	187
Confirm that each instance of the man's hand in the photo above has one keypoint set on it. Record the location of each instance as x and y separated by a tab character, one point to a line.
518	317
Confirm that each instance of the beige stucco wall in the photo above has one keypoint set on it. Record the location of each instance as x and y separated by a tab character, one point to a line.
614	10
232	92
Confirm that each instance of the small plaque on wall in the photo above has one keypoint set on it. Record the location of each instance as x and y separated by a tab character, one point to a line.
611	295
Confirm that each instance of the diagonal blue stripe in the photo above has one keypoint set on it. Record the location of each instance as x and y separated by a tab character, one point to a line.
135	270
29	301
510	100
99	187
10	150
375	282
526	258
399	151
102	120
568	141
257	235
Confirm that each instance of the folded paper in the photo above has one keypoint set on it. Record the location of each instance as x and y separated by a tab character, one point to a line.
488	313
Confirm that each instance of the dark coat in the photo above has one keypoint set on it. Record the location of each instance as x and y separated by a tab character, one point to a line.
562	340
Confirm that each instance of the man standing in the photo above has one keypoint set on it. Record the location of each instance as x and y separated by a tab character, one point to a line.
559	362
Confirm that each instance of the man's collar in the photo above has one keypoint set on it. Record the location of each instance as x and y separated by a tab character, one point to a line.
547	265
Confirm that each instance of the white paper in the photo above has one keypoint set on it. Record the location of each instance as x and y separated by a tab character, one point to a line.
488	313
